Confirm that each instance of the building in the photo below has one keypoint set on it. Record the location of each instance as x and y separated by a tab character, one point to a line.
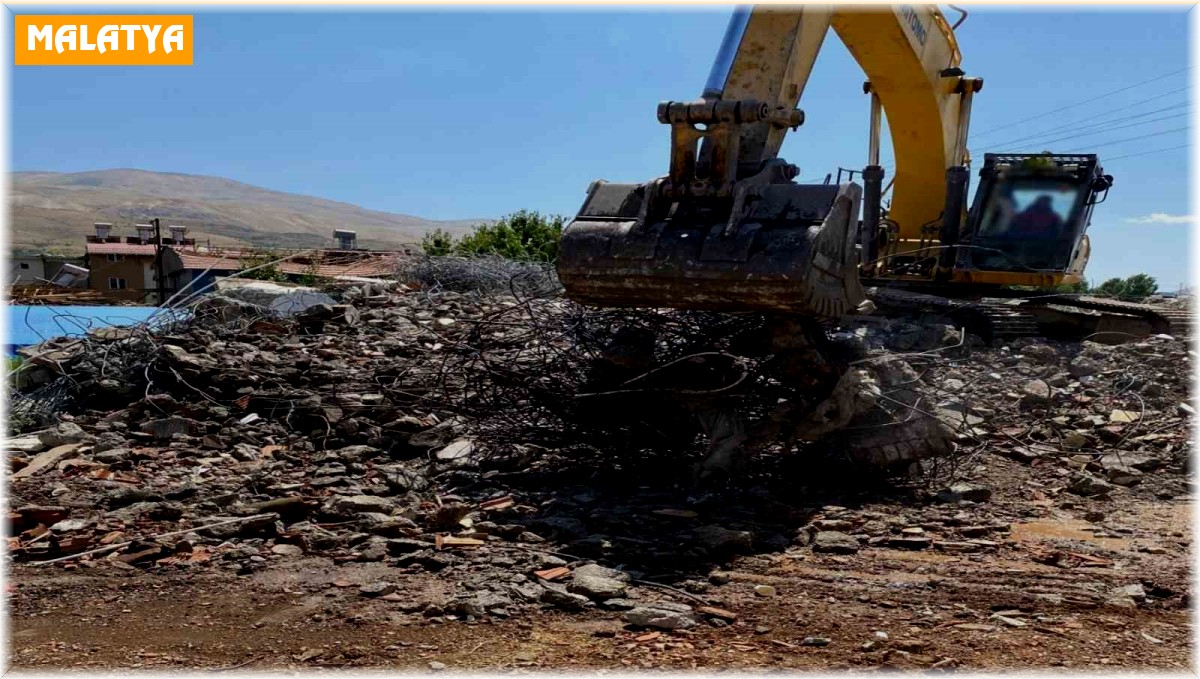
121	268
127	268
34	268
26	269
196	270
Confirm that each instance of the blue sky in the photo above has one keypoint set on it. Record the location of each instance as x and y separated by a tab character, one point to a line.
468	114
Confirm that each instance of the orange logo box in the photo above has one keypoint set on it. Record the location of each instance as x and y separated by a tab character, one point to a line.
103	40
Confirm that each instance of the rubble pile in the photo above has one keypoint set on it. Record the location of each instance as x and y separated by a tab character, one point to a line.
527	452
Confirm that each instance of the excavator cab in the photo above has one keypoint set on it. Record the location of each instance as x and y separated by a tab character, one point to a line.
1031	213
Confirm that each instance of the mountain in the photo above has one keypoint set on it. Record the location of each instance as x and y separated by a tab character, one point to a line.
54	211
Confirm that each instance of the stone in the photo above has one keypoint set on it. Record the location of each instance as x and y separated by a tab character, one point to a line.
1134	591
718	578
166	427
720	539
1123	476
1124	416
460	449
287	550
964	491
1140	462
910	645
834	542
764	590
1075	440
345	505
1036	393
951	384
1082	366
957	547
597	582
70	525
113	456
914	543
815	641
1010	621
482	604
833	524
1041	353
24	444
1059	380
244	452
182	358
62	434
558	596
376	589
1083	483
47	459
663	615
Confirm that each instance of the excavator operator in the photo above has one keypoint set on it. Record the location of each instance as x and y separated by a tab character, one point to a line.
1039	220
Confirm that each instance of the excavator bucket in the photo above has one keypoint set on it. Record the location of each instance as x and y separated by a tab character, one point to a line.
787	248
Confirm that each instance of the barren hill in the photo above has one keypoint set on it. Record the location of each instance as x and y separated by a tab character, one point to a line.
55	210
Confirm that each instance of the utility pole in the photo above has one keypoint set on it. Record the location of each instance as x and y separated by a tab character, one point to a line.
158	262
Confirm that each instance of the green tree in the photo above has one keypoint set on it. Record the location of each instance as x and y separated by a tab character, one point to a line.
266	273
1140	286
437	243
523	235
1134	288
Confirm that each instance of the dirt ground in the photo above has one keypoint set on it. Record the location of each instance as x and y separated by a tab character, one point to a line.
879	608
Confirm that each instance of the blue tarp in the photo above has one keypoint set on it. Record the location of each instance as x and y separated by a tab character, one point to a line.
33	324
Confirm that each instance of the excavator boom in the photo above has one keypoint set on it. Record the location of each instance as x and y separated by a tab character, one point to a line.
728	228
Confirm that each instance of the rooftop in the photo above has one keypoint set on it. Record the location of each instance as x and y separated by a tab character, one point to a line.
120	249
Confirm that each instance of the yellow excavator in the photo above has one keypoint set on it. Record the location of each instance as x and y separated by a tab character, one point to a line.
729	229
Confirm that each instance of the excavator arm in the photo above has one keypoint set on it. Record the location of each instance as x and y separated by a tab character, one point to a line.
727	228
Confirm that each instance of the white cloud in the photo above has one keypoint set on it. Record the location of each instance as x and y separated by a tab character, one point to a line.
1161	218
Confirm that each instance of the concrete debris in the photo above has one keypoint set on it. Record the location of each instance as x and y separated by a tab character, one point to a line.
662	615
833	542
500	448
282	300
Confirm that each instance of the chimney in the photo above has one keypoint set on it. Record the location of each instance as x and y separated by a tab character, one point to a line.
345	239
178	233
102	230
145	232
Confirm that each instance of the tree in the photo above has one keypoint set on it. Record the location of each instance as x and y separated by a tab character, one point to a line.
523	235
266	273
1140	286
1134	288
437	243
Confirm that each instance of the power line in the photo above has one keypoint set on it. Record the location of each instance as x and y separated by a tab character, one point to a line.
1142	136
1085	101
1098	131
1076	128
1146	153
887	171
1136	104
1103	126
